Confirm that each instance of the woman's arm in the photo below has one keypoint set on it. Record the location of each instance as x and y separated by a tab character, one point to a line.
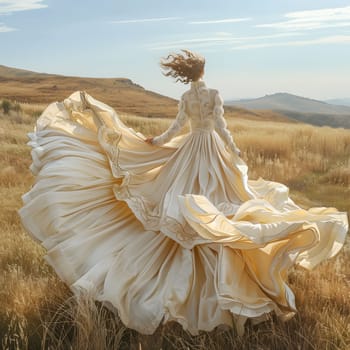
221	125
174	128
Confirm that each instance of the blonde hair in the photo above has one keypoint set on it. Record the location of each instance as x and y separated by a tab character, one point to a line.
185	67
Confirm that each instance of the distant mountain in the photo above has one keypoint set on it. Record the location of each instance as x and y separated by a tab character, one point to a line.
339	101
120	93
300	108
289	102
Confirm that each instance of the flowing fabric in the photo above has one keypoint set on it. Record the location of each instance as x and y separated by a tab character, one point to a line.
169	231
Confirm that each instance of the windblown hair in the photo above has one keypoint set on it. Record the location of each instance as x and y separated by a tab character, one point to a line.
185	67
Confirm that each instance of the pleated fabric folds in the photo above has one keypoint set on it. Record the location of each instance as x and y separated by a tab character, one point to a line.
173	232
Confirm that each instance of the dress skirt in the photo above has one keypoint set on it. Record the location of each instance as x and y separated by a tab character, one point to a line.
166	233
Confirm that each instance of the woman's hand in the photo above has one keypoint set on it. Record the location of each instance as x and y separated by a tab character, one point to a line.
149	140
84	103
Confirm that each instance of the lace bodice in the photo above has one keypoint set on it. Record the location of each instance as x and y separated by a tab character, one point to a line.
204	108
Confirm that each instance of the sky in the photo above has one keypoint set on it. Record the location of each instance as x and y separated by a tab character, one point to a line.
252	48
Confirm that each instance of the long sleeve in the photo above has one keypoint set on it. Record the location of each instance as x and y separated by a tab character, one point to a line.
221	125
175	127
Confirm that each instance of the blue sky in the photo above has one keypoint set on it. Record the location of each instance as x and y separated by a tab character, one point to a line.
252	47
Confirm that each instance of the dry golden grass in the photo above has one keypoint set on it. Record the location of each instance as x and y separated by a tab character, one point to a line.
37	311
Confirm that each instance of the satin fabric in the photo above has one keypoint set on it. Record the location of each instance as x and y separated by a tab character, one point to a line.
167	232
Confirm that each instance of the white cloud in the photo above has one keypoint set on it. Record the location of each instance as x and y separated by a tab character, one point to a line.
330	14
223	34
221	38
313	19
336	39
270	36
226	42
9	6
196	42
5	29
226	20
143	20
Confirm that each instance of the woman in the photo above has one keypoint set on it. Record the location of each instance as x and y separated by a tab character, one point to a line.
168	228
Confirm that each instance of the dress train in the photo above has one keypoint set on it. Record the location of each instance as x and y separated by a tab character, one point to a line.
174	231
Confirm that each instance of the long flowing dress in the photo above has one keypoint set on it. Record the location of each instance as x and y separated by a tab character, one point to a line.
169	231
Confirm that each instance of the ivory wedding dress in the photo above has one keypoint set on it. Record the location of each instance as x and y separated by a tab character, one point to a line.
173	230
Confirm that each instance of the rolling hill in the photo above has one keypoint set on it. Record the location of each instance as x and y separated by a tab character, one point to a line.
121	93
300	108
339	101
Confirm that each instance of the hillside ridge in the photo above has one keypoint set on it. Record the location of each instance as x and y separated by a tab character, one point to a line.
290	102
122	94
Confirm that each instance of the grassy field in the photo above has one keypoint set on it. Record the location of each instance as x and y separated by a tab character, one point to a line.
37	311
